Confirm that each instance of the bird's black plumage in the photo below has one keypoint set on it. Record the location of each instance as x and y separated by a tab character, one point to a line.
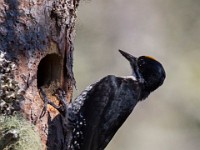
105	105
94	117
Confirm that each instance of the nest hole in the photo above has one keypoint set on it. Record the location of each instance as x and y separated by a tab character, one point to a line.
49	70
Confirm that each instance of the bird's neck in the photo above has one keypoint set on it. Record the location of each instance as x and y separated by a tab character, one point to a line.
144	92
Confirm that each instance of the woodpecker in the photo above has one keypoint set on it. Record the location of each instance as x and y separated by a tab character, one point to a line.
100	110
104	106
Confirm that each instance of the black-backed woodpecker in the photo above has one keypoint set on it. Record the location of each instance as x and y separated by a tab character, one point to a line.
98	112
104	106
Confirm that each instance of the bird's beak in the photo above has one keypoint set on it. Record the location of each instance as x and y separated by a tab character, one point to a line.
129	57
134	66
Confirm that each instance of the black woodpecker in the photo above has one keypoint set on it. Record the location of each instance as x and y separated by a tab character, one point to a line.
102	108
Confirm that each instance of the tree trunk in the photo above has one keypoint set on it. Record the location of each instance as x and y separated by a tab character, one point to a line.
37	35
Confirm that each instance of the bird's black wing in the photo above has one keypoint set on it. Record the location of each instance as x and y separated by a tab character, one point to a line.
126	96
105	107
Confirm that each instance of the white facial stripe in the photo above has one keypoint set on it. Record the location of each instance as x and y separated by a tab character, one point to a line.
137	74
131	77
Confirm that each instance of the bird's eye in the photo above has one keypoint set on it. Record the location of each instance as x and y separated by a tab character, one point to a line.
141	62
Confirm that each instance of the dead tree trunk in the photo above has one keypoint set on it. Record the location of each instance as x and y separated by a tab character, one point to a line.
38	37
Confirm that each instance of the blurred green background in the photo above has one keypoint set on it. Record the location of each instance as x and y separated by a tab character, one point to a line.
170	32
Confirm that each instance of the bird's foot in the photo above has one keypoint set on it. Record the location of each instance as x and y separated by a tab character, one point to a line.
61	96
46	102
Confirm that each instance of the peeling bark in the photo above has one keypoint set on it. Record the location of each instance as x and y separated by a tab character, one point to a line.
38	37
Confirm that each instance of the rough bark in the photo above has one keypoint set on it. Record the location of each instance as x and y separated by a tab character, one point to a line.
37	35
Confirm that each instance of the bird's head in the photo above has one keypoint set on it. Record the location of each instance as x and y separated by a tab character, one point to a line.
147	71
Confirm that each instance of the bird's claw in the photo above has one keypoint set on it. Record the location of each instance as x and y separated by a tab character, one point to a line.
46	102
60	95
